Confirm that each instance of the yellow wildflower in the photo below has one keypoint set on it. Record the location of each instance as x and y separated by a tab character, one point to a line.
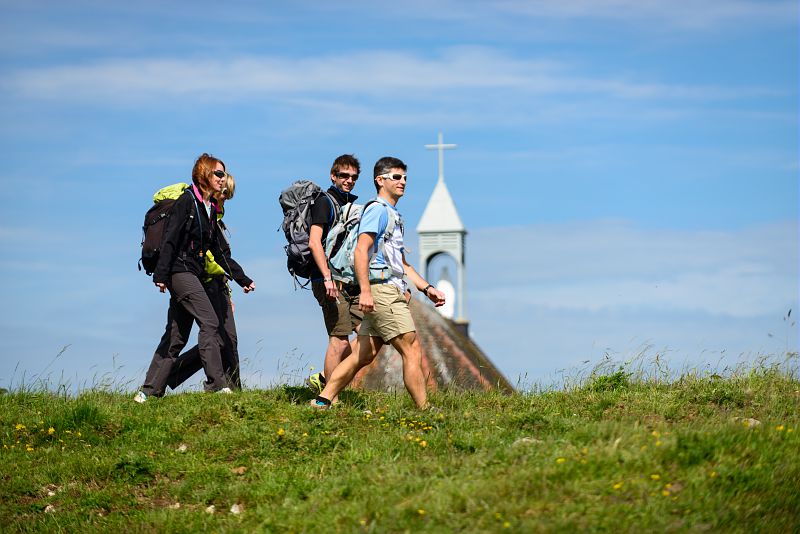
281	432
713	474
363	522
506	525
423	443
51	430
658	443
665	493
421	511
655	476
779	428
560	460
618	485
28	448
19	426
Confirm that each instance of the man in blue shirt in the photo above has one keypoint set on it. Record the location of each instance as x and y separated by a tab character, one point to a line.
380	267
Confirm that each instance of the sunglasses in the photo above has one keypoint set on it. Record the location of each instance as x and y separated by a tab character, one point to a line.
346	175
395	177
220	174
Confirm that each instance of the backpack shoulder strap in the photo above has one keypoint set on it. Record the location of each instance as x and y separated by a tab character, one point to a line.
391	223
334	208
391	219
364	211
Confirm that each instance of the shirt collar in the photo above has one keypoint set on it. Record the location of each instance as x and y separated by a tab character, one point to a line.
215	209
341	195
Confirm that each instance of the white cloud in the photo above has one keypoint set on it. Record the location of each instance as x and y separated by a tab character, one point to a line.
686	14
458	70
549	297
611	265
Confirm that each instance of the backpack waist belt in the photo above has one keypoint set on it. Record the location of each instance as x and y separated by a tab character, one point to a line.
351	289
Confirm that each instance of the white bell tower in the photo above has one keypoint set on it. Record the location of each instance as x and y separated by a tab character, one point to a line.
441	231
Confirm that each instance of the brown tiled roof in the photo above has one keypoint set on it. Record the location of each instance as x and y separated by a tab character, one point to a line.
450	359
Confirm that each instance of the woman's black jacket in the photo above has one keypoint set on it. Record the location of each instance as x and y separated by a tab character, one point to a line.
190	233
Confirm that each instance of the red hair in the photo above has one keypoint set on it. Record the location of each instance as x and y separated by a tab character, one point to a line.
203	170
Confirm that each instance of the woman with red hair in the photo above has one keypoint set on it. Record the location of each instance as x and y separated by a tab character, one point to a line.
192	231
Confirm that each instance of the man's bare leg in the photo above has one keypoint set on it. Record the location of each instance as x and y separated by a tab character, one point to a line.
411	351
338	349
344	373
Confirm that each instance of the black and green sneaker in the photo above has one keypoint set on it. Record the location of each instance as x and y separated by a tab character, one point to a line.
316	382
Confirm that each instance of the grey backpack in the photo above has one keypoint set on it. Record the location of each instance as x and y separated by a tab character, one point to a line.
296	202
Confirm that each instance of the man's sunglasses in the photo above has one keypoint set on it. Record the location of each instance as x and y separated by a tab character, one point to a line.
346	175
395	177
220	174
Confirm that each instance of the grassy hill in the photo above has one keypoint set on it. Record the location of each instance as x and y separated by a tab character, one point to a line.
614	452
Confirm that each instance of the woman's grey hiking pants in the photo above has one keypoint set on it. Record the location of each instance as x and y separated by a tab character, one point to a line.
188	303
188	363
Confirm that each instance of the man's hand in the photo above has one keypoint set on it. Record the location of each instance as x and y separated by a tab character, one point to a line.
162	287
365	302
331	290
251	287
436	296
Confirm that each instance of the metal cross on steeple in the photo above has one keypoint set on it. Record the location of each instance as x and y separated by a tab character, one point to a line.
441	147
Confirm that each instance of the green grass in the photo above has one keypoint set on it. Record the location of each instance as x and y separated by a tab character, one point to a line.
614	452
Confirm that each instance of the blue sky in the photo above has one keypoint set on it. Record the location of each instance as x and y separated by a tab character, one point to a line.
627	170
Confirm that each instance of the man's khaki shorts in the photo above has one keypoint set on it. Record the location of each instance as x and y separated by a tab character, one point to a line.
342	316
391	316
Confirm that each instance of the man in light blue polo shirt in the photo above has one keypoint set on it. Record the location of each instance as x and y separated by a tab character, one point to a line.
380	267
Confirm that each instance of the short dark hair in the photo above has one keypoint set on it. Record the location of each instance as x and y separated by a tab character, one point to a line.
384	165
345	160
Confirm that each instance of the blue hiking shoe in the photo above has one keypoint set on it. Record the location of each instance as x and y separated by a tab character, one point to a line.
320	403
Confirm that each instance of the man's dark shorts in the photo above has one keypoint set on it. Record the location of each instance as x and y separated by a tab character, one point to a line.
342	315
